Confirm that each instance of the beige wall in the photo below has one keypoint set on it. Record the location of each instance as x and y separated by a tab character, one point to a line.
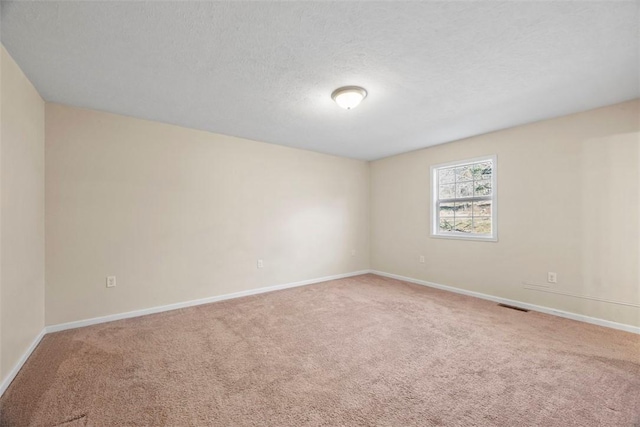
2	55
22	214
178	214
568	197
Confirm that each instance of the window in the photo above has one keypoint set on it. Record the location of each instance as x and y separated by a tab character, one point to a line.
464	200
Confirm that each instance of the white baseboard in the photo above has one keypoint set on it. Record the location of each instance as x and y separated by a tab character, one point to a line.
16	368
159	309
541	309
78	324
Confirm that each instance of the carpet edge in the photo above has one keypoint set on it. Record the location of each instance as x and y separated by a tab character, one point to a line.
541	309
191	303
13	373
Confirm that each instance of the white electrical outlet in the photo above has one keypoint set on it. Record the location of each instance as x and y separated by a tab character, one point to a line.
111	281
353	252
421	259
260	263
552	277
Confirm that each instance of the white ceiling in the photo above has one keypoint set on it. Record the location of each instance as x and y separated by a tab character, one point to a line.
435	71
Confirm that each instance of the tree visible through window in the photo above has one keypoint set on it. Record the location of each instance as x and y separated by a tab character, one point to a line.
464	199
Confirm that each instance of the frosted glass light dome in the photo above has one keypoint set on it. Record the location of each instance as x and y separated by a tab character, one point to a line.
349	97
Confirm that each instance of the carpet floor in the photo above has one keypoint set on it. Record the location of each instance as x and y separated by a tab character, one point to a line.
362	351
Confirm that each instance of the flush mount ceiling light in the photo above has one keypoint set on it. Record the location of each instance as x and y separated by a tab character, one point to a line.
349	97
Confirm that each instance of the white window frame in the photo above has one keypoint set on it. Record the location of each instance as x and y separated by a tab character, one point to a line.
435	212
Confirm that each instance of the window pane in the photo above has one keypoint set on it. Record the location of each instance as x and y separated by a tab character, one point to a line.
463	173
447	176
464	189
446	224
482	188
447	210
447	191
464	225
482	225
482	208
463	209
481	170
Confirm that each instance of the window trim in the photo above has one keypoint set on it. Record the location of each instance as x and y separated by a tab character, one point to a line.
494	201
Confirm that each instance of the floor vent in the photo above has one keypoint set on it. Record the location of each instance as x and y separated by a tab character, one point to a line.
513	307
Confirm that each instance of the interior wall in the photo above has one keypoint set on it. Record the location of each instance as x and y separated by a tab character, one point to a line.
22	214
2	54
568	202
178	214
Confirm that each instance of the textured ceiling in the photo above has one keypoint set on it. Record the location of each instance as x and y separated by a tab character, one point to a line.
435	71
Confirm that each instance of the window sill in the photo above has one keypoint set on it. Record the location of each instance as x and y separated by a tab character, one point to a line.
463	237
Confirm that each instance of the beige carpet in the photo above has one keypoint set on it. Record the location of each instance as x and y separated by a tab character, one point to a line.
362	351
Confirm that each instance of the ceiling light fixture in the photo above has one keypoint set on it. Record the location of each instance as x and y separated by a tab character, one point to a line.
349	97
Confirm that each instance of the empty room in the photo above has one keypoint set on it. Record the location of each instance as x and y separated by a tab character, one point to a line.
314	213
